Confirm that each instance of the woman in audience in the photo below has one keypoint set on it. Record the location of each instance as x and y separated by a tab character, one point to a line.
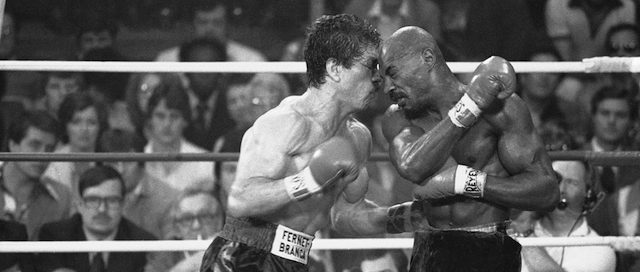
84	117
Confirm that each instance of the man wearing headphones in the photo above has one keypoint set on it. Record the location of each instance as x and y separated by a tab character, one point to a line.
578	197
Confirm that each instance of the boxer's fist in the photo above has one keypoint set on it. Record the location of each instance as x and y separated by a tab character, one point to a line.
494	78
457	180
333	160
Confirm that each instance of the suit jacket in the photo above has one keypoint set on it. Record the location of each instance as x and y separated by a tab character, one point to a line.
71	230
14	231
220	124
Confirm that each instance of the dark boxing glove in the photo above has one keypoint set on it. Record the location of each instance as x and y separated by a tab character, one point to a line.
493	78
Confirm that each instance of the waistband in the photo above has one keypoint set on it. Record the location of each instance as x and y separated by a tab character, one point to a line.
250	231
491	227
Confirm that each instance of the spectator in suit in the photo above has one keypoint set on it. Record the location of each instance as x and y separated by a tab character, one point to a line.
613	112
198	215
148	200
99	218
27	196
168	116
207	94
209	20
14	262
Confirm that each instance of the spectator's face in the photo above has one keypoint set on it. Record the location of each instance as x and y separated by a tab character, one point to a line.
199	217
572	186
384	264
612	121
211	23
7	37
57	89
167	125
35	141
203	84
83	129
101	207
624	44
238	103
147	85
94	40
540	85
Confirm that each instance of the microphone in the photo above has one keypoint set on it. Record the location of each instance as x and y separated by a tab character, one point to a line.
562	204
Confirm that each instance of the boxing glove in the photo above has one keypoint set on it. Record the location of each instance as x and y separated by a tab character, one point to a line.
458	180
493	78
406	217
333	160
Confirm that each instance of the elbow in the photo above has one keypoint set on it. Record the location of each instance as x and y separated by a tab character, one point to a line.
237	208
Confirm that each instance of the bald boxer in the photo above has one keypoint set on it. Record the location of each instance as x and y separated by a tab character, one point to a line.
472	151
304	161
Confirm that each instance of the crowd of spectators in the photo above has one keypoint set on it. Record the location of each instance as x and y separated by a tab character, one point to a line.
70	112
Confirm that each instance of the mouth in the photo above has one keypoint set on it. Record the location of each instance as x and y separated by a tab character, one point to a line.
396	97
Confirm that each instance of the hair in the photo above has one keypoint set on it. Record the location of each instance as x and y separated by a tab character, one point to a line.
39	119
207	5
175	96
611	92
120	140
97	175
95	23
217	47
399	257
618	28
190	192
343	38
64	75
79	101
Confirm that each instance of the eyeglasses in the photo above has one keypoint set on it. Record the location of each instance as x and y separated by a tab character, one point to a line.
187	220
94	202
628	48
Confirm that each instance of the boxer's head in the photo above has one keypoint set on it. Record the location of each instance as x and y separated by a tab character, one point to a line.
412	65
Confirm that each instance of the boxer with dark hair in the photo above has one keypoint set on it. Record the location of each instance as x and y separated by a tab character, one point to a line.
471	150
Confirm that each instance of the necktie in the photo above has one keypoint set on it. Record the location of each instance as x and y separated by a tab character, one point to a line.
608	180
97	264
201	110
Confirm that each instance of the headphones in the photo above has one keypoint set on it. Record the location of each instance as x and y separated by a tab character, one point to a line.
593	196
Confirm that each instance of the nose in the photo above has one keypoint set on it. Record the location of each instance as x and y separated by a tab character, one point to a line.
103	206
387	86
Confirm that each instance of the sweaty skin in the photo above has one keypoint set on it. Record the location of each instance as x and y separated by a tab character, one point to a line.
425	145
282	142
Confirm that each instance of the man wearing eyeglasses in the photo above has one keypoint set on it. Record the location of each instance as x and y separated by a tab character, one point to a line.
99	218
198	215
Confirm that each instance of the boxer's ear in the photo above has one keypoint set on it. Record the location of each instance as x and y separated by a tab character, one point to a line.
333	69
428	57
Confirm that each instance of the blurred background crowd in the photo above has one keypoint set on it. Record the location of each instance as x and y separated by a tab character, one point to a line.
68	112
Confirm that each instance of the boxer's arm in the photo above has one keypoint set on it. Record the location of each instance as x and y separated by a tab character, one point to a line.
532	183
259	187
417	154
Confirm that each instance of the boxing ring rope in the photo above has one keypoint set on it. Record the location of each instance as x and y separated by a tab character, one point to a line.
617	243
606	158
592	65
